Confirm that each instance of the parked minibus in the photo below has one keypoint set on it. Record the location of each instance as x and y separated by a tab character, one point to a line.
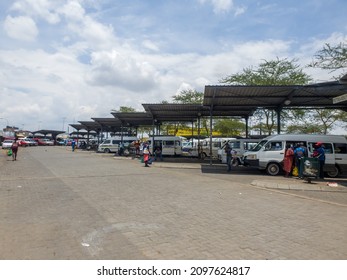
111	145
268	154
240	146
170	145
217	143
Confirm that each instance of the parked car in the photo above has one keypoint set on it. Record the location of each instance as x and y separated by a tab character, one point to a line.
32	142
40	142
48	142
7	144
24	142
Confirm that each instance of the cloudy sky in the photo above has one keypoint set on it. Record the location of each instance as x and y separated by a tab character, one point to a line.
62	61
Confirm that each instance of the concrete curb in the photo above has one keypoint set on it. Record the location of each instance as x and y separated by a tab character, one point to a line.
302	186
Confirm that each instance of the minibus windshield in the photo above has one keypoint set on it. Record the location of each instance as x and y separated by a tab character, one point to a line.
259	145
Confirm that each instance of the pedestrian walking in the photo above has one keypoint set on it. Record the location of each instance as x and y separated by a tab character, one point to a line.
146	154
14	149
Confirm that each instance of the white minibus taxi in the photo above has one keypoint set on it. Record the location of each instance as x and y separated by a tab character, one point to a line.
268	154
170	145
240	146
217	143
111	145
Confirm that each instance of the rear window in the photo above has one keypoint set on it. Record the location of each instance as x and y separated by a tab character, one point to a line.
340	148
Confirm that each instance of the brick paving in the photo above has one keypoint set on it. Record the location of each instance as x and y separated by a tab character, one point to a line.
55	204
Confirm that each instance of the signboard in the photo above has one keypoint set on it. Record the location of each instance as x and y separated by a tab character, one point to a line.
340	98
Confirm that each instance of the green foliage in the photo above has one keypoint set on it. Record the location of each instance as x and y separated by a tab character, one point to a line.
229	127
125	109
269	73
331	57
189	96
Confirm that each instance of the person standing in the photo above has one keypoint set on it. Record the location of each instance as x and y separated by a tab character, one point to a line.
146	154
320	154
288	160
158	153
228	152
73	145
137	148
299	153
14	149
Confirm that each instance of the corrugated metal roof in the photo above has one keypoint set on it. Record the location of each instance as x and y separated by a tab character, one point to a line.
314	95
133	118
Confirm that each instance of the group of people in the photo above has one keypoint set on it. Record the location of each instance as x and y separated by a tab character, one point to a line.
296	153
147	154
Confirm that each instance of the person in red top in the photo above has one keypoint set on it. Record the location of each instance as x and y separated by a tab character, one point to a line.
288	160
14	149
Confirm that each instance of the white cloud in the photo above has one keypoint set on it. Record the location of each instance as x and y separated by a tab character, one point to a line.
150	45
39	8
21	28
114	69
86	68
73	11
219	6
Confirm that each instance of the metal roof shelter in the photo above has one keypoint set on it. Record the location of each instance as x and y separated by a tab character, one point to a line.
133	119
77	126
91	126
176	112
249	98
45	132
109	125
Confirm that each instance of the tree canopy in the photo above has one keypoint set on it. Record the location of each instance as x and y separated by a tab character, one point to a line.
269	73
331	57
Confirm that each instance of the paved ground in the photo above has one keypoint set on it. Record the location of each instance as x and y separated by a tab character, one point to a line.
55	204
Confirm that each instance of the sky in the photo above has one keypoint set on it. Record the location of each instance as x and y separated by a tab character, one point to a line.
64	61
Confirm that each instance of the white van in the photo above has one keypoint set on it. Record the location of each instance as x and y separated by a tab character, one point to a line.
269	153
217	144
111	145
170	145
240	146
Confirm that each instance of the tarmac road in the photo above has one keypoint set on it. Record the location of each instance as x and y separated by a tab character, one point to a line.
56	204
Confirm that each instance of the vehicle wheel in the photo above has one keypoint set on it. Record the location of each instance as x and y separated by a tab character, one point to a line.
203	155
235	163
335	173
273	169
106	151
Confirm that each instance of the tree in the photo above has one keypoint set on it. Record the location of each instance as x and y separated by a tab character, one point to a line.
229	127
331	57
269	73
189	96
125	109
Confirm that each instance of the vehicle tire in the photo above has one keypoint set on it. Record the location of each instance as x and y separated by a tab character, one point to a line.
235	162
203	156
106	151
273	169
335	173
